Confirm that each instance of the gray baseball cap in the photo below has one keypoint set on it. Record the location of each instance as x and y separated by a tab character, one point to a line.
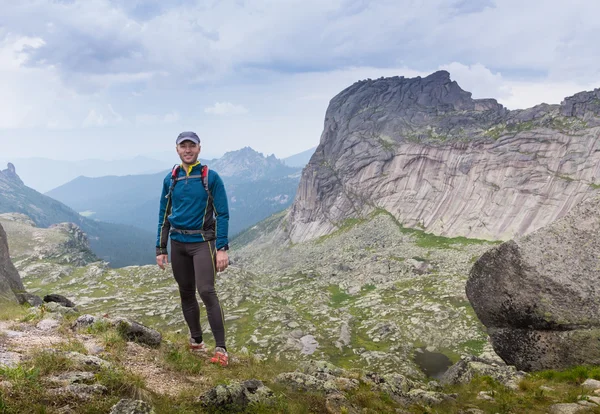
188	136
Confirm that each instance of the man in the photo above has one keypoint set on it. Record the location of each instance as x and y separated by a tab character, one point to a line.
194	212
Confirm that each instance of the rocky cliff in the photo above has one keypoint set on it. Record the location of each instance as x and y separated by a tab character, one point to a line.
10	281
436	159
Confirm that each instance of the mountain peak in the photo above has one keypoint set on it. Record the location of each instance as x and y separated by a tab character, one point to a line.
11	174
250	164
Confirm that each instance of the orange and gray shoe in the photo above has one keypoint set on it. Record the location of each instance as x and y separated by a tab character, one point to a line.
197	347
221	357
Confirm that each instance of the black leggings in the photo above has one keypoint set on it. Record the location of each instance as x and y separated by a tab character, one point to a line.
194	267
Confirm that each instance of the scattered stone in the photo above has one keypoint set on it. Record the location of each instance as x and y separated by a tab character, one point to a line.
421	396
9	359
78	377
568	408
81	392
595	400
313	367
83	321
127	406
591	384
30	299
58	308
545	388
83	360
303	382
236	396
61	300
585	403
134	331
485	395
47	324
309	344
467	368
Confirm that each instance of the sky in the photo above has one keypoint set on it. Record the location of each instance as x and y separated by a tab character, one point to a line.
114	79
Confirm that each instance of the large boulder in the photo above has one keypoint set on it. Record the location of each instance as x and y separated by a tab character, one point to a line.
539	296
10	281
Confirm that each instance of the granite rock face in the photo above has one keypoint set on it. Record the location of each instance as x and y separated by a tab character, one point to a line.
10	281
436	159
539	295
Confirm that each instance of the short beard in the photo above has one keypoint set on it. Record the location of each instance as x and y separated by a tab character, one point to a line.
192	162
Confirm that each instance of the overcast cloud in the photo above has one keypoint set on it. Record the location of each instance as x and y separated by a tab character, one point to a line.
119	78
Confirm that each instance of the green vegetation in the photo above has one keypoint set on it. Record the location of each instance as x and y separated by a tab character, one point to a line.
428	240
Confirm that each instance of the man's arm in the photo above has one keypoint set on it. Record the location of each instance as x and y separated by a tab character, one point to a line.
163	222
221	209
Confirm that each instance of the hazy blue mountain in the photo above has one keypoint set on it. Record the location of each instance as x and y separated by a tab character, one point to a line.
301	159
115	243
257	186
44	174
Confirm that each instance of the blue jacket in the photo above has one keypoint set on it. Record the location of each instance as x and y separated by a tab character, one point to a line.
190	208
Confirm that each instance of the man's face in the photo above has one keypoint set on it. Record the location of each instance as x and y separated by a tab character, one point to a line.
188	152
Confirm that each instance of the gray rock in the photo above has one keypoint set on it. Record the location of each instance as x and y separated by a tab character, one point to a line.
538	295
84	321
134	331
58	308
128	406
60	300
9	359
78	377
47	324
30	299
236	396
10	281
309	344
591	384
568	408
83	360
303	382
469	367
313	367
425	397
81	392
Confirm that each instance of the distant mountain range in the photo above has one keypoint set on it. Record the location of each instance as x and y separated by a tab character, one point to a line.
115	243
257	186
299	160
43	174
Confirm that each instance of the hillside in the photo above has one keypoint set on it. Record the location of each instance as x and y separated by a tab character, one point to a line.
117	244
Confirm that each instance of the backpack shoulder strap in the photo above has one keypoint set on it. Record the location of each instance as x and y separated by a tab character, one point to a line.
204	174
174	173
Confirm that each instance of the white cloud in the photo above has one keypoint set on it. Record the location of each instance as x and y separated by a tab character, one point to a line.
225	108
149	119
97	118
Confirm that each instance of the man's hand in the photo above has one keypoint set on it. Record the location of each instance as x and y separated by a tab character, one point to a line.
162	260
222	260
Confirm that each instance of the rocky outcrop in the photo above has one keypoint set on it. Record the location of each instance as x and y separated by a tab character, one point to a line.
63	243
425	151
10	281
10	173
539	295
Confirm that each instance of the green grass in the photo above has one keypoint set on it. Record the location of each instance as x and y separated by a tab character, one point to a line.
338	296
12	310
